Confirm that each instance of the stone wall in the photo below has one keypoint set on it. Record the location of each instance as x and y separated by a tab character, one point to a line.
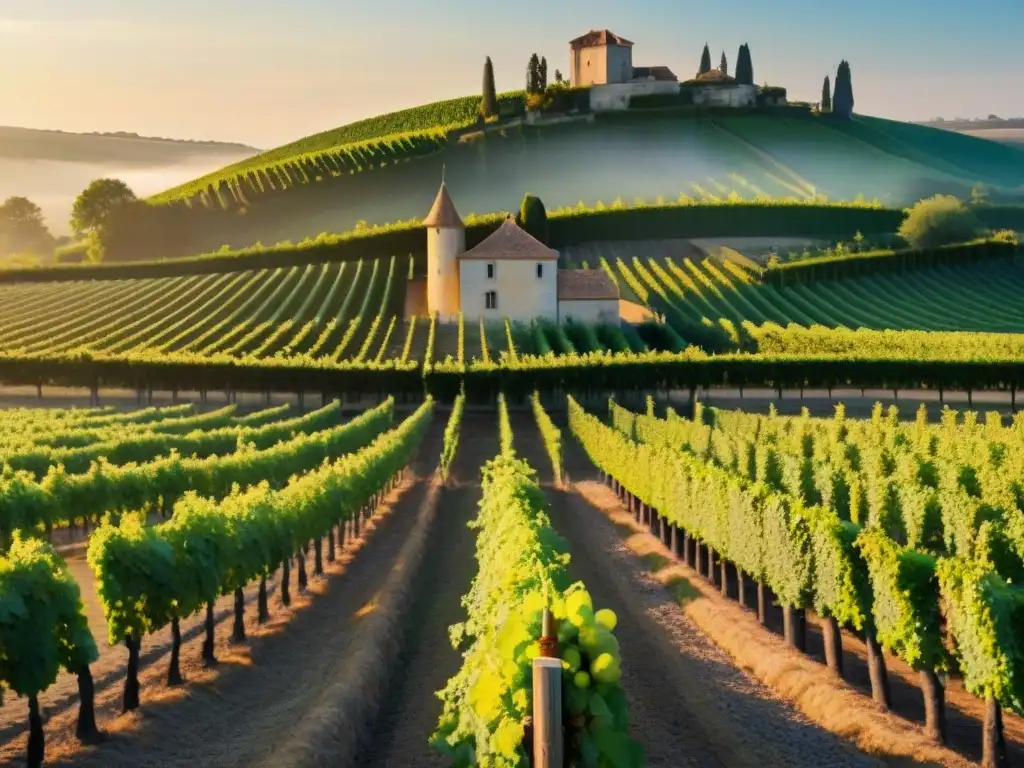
725	96
615	96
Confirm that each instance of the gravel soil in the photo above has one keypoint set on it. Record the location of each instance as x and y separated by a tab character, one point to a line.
411	712
689	704
234	714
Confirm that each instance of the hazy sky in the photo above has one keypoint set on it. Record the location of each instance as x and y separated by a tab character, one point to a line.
267	71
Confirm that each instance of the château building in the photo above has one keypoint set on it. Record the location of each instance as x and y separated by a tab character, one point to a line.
509	274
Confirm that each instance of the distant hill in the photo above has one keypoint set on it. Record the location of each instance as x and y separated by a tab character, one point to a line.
110	148
1009	131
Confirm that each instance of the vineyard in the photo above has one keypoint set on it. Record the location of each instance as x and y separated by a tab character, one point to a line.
319	185
151	547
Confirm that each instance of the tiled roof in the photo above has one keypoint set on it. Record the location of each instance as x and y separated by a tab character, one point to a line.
586	285
658	73
510	241
443	214
715	76
599	37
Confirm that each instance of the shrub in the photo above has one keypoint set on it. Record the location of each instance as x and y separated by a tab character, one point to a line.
940	220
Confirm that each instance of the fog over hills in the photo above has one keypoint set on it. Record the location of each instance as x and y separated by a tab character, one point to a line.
52	167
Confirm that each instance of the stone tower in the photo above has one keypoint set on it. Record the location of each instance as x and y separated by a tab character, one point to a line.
446	239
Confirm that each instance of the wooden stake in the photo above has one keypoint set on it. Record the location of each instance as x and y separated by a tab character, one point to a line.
548	740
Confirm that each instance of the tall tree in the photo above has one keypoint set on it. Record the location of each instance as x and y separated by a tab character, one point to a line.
543	73
705	61
826	95
724	66
97	202
558	75
489	101
533	217
744	68
533	75
842	92
22	228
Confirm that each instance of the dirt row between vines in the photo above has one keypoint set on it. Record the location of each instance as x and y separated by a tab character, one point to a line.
262	693
690	705
844	707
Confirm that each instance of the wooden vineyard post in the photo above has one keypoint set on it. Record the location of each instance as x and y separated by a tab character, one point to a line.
548	737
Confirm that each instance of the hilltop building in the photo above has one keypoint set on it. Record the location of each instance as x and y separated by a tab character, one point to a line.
509	274
603	61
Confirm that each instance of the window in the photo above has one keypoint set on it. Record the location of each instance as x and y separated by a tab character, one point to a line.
540	271
490	271
491	300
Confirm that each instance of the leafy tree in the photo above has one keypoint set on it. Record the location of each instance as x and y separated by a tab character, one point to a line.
22	229
826	95
705	61
558	76
842	94
98	202
533	217
489	101
543	71
724	65
744	73
940	220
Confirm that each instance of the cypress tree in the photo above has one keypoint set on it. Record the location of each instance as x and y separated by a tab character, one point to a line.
533	217
842	92
489	102
826	95
724	66
533	75
705	61
543	71
744	68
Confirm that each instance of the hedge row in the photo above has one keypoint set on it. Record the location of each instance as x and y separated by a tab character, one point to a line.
583	374
780	218
873	262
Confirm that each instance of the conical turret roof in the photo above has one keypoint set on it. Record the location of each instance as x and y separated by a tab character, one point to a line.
443	213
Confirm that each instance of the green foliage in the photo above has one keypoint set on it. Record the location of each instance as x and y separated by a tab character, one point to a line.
705	60
842	97
534	218
62	498
505	435
22	228
43	628
744	66
552	436
148	575
986	617
847	264
98	203
489	100
523	571
723	65
826	95
939	221
451	436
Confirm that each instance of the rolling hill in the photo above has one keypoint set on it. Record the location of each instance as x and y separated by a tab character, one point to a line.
386	169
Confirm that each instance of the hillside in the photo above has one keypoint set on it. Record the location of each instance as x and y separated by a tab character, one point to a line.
366	172
31	144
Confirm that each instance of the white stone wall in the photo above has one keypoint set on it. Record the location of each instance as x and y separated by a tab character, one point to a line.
443	245
615	96
521	294
589	311
726	96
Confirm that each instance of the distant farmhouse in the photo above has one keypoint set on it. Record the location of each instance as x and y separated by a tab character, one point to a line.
509	274
603	62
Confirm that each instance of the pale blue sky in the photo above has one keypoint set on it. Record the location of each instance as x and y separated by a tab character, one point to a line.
267	71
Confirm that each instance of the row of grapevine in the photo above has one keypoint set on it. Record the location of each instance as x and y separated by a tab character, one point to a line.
843	519
43	631
140	447
451	436
215	546
64	499
522	573
552	436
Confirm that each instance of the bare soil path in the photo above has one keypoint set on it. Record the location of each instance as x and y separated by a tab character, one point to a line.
236	713
411	712
689	704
